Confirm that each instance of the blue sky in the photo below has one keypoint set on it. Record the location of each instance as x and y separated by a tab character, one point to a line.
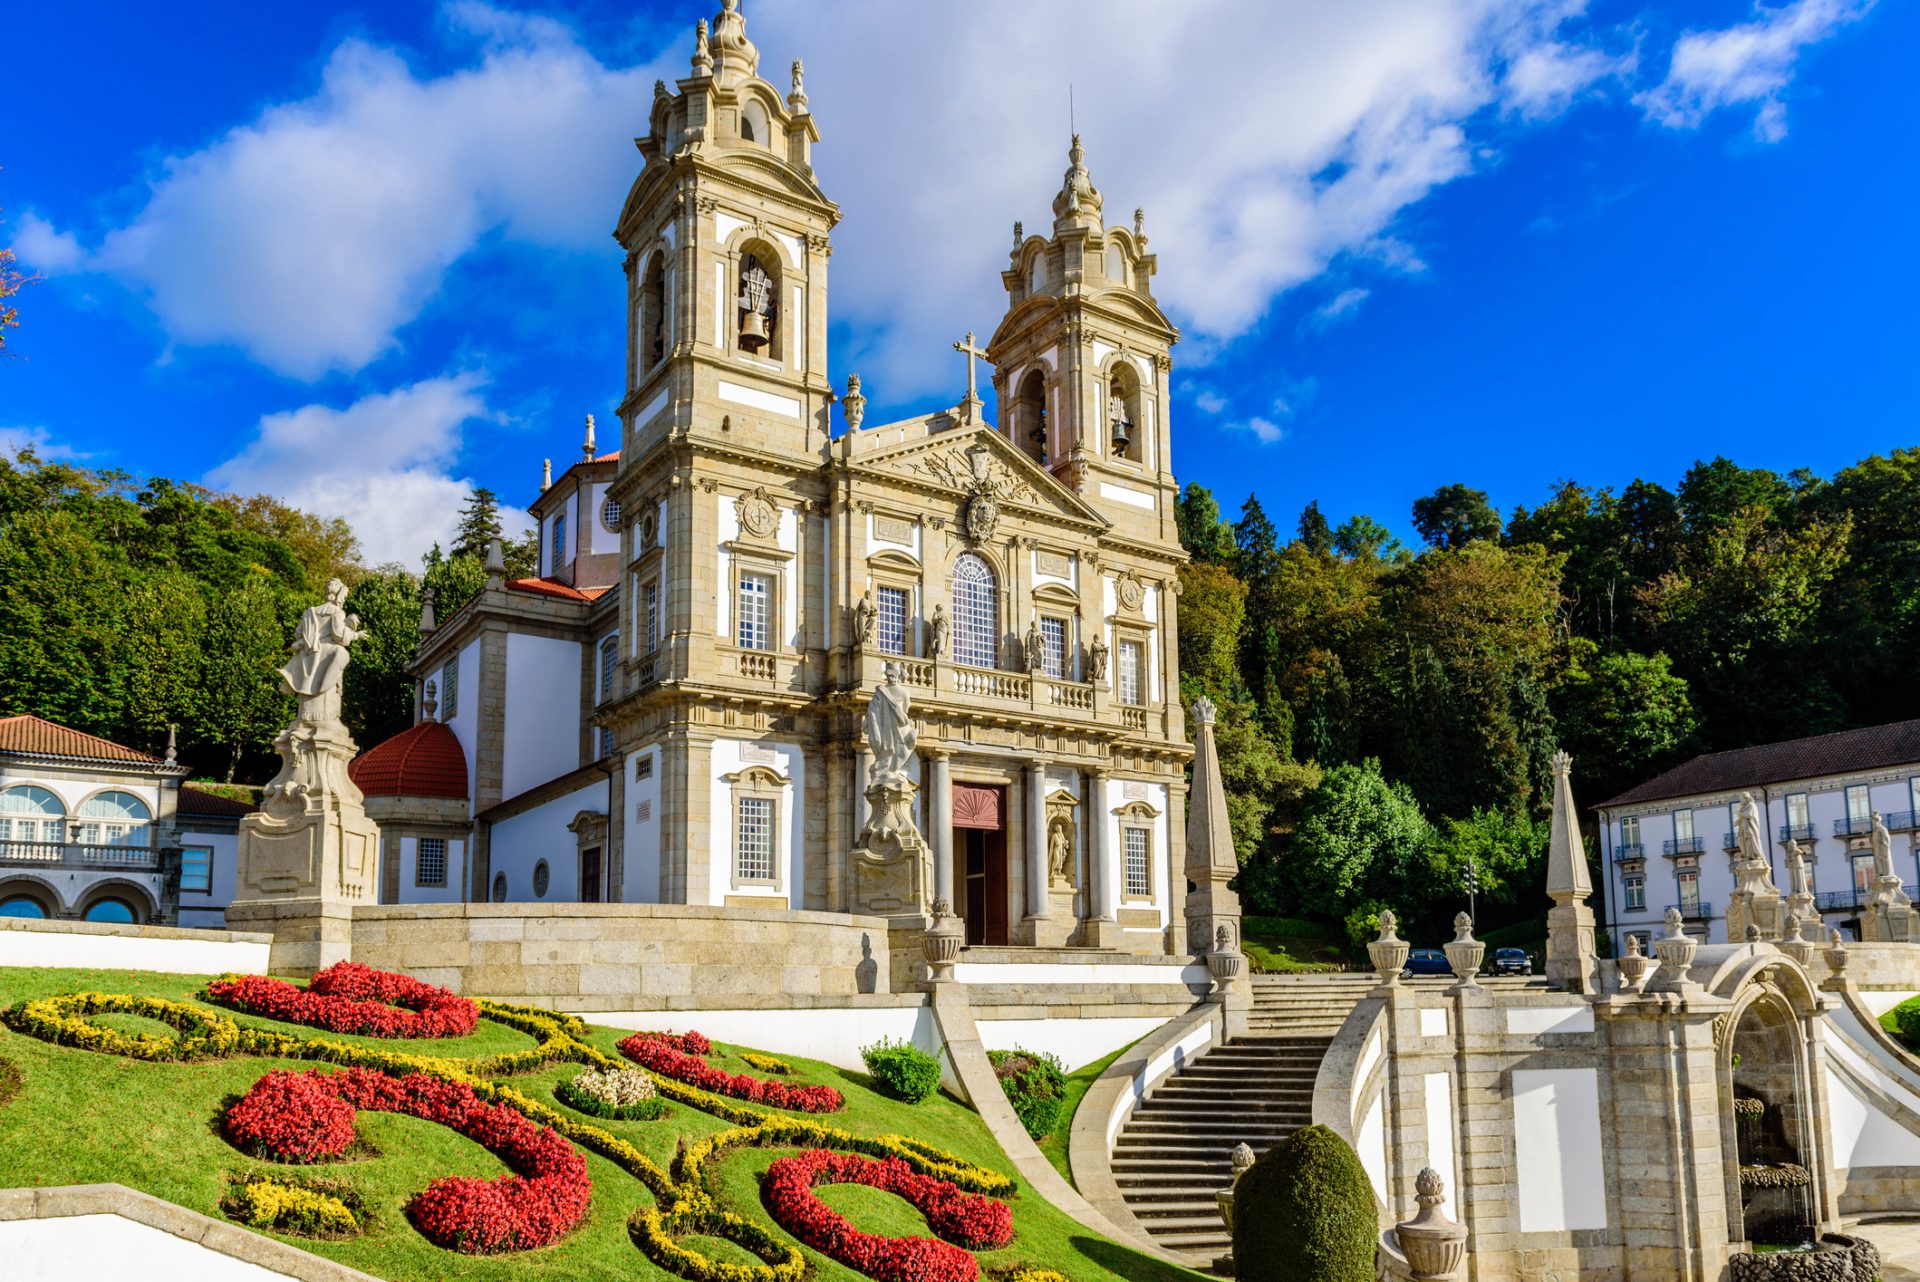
360	256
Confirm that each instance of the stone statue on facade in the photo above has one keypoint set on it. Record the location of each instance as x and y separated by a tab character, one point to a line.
1755	900
1060	854
1097	660
1800	884
1889	917
1748	834
890	857
1036	649
864	616
937	640
890	730
320	656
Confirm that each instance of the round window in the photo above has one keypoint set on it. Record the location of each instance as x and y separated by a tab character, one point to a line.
541	877
649	527
610	514
499	888
21	906
112	910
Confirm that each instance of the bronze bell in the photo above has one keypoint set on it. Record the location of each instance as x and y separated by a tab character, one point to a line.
753	332
1122	437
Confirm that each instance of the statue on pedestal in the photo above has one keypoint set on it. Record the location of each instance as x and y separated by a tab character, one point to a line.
1755	900
320	656
1889	917
890	857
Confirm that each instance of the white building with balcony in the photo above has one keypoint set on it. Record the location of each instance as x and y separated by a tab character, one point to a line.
1669	841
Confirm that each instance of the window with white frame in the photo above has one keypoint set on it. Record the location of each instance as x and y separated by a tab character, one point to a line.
430	862
1863	874
559	542
1630	831
113	819
609	656
976	613
1053	648
1127	688
890	632
1137	875
1689	892
1683	825
1859	808
753	839
450	688
603	742
31	813
196	869
1636	893
649	616
1913	798
754	607
1799	824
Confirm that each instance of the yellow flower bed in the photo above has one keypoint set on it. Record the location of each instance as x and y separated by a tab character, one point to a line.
264	1202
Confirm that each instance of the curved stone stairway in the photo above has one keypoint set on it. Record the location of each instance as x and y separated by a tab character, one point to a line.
1172	1155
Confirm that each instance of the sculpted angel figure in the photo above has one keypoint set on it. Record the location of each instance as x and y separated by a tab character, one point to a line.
1747	830
320	655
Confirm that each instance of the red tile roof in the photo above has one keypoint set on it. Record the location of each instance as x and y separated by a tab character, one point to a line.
426	761
607	458
553	587
1843	752
36	736
211	804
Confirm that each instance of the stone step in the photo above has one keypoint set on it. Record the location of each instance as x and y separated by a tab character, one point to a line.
1193	1210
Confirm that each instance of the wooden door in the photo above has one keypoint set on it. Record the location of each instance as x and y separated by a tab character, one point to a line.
590	875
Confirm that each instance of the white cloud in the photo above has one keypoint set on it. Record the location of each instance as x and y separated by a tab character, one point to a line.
1543	80
1208	401
40	247
1749	63
1340	307
37	439
310	236
1263	430
382	463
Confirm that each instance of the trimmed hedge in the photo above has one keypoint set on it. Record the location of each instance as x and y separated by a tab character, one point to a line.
1906	1018
1036	1086
901	1069
1305	1212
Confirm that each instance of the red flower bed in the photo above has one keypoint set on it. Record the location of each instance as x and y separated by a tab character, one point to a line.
297	1117
348	997
966	1219
672	1056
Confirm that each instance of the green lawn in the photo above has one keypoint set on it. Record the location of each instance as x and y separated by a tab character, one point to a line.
1278	944
82	1117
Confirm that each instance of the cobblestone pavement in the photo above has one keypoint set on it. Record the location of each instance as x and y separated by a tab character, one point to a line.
1899	1243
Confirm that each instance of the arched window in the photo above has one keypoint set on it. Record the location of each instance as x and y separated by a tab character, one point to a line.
1030	416
758	303
1116	264
31	813
22	906
112	910
1124	435
976	613
113	819
1037	274
499	888
653	312
754	126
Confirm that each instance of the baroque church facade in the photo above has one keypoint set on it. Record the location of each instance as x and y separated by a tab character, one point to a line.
673	710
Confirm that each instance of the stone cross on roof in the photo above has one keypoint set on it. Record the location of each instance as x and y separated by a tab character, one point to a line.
970	351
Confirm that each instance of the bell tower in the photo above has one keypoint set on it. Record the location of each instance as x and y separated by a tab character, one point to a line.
726	237
1081	359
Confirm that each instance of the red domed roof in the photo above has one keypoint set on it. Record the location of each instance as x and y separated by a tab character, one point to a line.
426	761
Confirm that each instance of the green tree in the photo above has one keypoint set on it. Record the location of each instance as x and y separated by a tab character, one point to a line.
1361	538
377	693
455	580
1624	717
60	597
242	705
157	657
479	524
1359	835
1315	534
1714	495
1507	852
1305	1212
1454	516
1203	533
522	555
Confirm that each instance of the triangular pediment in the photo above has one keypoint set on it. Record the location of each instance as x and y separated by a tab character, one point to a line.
976	459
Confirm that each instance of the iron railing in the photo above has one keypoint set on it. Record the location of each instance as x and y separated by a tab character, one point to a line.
1626	853
1852	827
1796	832
1902	820
1693	911
1681	846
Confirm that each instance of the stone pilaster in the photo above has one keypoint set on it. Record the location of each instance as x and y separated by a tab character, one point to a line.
1102	928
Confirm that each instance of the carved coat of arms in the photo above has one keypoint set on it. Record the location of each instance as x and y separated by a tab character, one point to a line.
985	482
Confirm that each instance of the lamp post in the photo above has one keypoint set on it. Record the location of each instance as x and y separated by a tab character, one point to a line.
1473	888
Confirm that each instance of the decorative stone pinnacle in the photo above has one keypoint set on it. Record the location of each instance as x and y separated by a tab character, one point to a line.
496	566
430	701
546	475
1673	920
702	55
586	446
1430	1189
427	621
1562	762
1241	1159
1204	711
798	98
1139	224
1387	924
1462	928
172	752
853	404
1019	232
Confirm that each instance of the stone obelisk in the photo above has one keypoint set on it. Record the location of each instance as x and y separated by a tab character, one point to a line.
310	853
1570	955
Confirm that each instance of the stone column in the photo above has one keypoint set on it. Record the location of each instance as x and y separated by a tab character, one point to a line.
1038	911
941	816
862	771
1103	928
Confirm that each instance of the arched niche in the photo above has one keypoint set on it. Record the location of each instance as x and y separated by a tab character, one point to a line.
1125	423
1031	430
1775	1158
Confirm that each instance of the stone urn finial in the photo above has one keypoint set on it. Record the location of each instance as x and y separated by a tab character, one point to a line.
1465	952
1242	1161
1835	955
1389	952
940	945
1225	963
1434	1245
1633	965
1675	951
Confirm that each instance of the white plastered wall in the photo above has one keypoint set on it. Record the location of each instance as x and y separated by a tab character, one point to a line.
208	908
730	756
641	883
1559	1167
518	844
542	731
1162	871
412	892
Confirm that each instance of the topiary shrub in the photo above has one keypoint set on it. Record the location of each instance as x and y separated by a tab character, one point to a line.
1036	1086
901	1069
1305	1212
1906	1020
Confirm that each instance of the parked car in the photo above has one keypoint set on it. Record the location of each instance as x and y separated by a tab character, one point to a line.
1427	961
1512	961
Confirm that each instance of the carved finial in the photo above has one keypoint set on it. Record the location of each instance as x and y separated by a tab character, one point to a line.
496	563
1462	928
586	446
1019	233
1388	922
430	702
659	88
173	755
428	624
1562	762
1752	935
1429	1188
1673	921
702	55
853	404
1203	711
546	475
1633	945
798	98
1139	224
1241	1159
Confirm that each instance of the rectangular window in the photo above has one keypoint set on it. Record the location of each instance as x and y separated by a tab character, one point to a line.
1128	689
1797	811
1689	892
430	862
643	767
604	738
450	688
1859	808
1630	830
1139	869
891	630
1913	798
1636	893
753	839
1862	875
196	869
559	542
1683	825
1053	648
609	656
755	610
650	616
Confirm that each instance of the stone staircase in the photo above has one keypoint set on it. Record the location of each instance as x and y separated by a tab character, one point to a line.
1171	1157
